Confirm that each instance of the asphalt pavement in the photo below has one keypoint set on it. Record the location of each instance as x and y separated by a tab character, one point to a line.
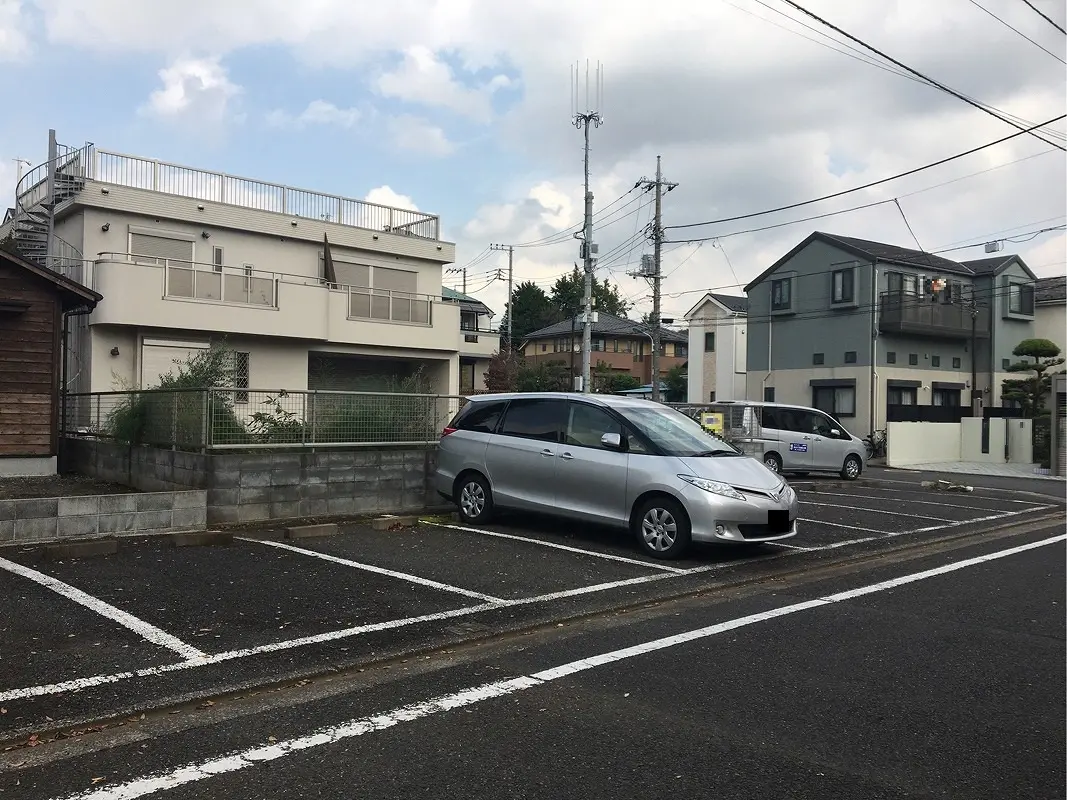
918	674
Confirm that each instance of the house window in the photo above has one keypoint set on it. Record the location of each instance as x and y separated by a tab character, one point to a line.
544	348
946	397
891	357
913	359
468	321
902	396
850	356
910	285
217	259
148	249
709	342
681	350
768	394
240	377
1005	363
842	281
711	397
599	345
626	346
1021	299
935	361
956	363
837	401
818	359
782	294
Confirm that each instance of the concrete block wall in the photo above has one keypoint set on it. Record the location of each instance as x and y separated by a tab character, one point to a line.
254	487
57	518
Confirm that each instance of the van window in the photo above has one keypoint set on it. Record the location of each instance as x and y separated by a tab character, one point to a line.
481	417
673	433
770	418
588	423
540	419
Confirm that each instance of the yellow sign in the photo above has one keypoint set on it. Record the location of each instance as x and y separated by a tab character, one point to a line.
711	422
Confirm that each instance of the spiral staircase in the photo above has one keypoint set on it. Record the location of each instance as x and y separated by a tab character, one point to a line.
29	220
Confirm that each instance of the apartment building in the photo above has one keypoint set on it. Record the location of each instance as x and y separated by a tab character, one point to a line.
718	332
621	345
479	339
853	326
312	290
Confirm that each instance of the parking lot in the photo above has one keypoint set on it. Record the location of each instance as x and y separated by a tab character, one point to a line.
96	628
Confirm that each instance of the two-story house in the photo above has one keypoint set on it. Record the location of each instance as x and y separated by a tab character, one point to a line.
852	326
621	345
479	341
185	257
718	332
1050	314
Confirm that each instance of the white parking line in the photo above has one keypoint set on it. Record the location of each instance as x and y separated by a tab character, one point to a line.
197	771
404	576
145	630
910	501
841	525
916	489
875	511
557	546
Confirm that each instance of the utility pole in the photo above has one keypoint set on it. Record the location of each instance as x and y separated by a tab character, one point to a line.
657	268
511	276
582	121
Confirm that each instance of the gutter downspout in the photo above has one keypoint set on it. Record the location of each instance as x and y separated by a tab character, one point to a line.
874	345
770	372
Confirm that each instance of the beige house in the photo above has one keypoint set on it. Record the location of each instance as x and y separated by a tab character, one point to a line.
717	332
184	257
1050	316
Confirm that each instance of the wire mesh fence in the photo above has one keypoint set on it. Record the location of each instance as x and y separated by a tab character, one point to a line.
249	419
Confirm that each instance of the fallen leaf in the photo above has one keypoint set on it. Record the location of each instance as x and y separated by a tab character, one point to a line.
97	780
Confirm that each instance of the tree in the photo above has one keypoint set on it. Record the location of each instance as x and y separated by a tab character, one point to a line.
569	291
1030	392
502	373
610	381
677	384
533	310
543	376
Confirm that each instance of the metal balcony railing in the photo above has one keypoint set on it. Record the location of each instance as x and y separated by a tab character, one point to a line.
905	313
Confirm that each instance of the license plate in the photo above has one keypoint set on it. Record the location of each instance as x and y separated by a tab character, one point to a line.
778	521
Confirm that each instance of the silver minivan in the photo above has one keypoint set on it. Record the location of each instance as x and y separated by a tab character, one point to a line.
613	460
792	439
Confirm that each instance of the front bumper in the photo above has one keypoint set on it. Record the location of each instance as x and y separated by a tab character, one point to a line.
715	518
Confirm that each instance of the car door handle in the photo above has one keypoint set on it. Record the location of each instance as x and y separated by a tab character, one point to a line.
566	456
547	453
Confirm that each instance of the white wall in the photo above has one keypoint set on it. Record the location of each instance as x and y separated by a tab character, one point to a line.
1020	434
721	371
910	443
971	446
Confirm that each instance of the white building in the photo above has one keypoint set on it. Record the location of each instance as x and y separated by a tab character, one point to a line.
184	257
717	348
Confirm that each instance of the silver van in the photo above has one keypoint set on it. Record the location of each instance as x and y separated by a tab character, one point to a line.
618	461
792	439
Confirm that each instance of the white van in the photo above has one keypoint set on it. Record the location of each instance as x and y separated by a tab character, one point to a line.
791	439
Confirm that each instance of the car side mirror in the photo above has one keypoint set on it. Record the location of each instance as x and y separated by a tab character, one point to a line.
612	441
835	432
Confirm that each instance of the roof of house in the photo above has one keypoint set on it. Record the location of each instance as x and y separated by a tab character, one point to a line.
982	267
873	251
1051	290
608	324
466	302
72	292
736	305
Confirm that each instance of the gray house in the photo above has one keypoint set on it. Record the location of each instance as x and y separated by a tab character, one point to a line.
852	326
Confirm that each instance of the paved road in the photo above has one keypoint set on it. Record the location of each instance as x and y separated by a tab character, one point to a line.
941	675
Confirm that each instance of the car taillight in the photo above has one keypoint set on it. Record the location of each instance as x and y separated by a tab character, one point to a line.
447	431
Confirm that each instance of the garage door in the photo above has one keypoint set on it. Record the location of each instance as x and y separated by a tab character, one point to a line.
158	357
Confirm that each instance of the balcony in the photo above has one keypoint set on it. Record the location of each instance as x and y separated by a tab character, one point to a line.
162	293
478	342
908	315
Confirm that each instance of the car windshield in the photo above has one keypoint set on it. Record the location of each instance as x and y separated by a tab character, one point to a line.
674	433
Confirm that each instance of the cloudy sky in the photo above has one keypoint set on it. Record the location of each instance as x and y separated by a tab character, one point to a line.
462	108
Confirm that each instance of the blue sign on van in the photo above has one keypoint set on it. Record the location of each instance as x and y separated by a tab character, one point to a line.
797	447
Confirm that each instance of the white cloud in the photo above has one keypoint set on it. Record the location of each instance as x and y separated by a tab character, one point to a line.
14	36
193	88
385	196
318	112
425	79
419	136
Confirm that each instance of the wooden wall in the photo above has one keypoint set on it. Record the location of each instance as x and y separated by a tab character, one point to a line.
29	353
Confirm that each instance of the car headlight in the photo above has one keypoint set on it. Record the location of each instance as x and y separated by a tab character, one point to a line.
715	487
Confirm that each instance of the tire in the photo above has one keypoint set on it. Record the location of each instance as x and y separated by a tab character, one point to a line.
852	468
773	462
474	498
662	528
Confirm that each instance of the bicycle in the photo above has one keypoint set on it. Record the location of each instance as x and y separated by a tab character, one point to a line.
875	442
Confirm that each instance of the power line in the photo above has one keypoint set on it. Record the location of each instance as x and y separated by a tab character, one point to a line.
872	183
1043	14
976	4
784	224
931	81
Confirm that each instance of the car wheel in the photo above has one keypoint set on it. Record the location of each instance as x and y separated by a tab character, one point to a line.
662	528
474	498
773	462
852	468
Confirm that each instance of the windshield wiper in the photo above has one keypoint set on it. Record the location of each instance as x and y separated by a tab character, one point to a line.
716	454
